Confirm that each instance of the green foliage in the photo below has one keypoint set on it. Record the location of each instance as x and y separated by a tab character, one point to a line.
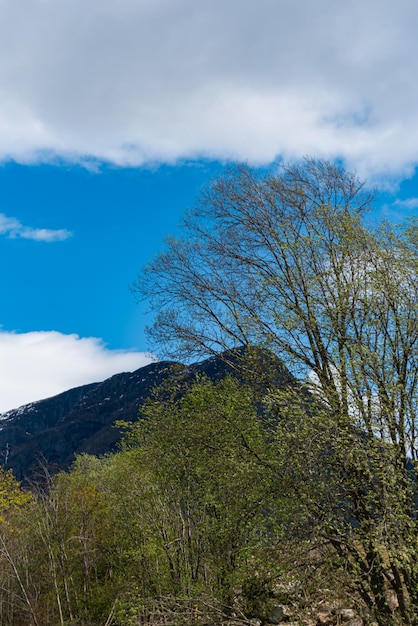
209	457
11	495
214	493
176	523
287	262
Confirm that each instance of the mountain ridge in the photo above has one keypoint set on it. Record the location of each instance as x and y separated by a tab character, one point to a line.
52	431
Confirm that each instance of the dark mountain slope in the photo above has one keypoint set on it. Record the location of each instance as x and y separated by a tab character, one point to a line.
52	431
81	420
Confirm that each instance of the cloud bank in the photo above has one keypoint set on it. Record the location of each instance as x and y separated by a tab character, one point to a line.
38	365
140	81
14	229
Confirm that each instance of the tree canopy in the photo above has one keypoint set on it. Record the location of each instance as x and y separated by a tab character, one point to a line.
288	261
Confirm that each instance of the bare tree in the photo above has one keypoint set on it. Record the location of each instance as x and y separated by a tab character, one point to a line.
287	262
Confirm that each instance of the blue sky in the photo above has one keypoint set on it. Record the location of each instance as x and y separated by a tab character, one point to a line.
114	114
102	228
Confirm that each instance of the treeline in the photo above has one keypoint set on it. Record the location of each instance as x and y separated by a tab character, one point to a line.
198	518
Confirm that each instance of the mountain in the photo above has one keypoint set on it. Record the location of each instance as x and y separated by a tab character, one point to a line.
51	432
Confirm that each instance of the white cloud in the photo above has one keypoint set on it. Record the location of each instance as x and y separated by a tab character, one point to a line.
8	224
38	365
408	203
11	227
137	81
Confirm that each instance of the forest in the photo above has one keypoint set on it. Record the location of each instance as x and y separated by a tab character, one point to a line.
285	492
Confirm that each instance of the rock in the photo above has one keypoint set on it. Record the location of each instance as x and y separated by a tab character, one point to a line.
325	607
346	614
346	617
279	613
323	619
392	600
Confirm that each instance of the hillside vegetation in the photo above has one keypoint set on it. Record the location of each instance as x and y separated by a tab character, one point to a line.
202	517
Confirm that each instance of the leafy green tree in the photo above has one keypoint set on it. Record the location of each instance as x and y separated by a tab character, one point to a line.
53	551
16	602
213	490
288	262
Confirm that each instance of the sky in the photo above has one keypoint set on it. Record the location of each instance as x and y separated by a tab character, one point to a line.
114	114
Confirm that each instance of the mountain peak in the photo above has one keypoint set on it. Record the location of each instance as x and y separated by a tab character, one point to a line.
81	420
